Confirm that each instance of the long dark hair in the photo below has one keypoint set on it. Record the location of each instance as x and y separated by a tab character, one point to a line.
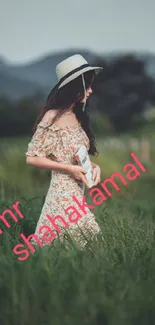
62	99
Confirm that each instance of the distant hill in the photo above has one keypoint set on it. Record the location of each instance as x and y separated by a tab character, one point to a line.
16	87
39	76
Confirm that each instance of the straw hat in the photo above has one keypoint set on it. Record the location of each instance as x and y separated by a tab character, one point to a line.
71	68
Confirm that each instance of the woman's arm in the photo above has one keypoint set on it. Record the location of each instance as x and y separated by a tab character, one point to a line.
36	153
41	162
45	163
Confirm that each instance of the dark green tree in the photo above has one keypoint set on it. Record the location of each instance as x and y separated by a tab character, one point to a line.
124	90
17	117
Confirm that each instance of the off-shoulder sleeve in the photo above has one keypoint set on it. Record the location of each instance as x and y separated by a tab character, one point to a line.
43	141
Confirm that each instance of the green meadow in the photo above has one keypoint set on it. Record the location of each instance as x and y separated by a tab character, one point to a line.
111	281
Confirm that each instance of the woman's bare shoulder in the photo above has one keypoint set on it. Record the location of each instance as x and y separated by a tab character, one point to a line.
49	116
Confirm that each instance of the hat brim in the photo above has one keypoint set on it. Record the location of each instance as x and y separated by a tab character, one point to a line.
79	73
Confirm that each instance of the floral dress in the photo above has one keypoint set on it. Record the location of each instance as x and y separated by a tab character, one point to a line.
60	143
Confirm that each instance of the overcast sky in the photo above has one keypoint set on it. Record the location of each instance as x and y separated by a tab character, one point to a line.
29	29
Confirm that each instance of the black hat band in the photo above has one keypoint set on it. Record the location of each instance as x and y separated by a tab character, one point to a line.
72	72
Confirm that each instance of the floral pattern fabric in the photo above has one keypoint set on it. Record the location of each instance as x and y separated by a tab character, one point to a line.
60	143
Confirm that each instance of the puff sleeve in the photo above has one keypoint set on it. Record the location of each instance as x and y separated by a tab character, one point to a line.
43	141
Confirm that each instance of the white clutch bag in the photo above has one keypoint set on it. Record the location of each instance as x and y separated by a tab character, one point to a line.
83	160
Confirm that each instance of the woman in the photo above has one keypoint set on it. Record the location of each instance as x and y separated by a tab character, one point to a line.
54	145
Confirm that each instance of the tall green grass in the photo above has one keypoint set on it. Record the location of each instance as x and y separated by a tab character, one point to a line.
110	282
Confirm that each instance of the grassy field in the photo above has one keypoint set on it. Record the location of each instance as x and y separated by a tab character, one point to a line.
111	282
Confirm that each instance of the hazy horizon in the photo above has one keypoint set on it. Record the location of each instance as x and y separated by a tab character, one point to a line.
31	30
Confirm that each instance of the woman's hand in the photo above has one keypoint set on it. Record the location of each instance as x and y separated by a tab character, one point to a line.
78	173
96	174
